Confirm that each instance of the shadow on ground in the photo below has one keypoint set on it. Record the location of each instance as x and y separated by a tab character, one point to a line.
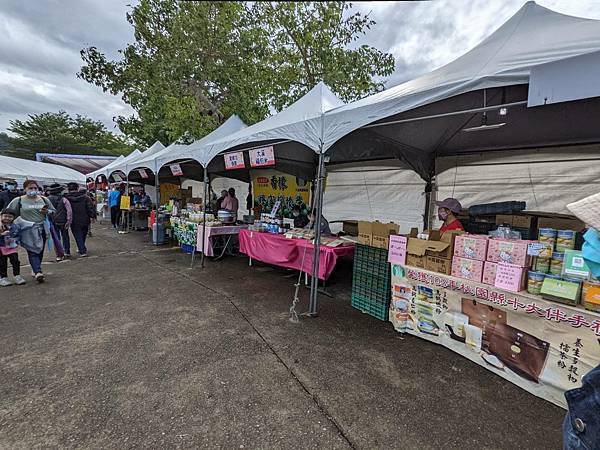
132	348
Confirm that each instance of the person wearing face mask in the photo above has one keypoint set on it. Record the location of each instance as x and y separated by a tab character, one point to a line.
9	194
581	427
300	220
33	207
446	213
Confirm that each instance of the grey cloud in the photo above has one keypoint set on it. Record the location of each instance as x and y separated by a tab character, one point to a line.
40	43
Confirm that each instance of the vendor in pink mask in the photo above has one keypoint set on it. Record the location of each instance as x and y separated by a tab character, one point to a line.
446	213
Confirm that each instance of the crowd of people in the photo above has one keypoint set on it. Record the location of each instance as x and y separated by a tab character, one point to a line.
38	216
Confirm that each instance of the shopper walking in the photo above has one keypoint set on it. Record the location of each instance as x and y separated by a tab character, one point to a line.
61	220
83	214
8	249
33	208
114	204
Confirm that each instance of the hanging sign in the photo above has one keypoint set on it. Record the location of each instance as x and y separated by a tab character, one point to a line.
234	160
143	173
176	170
262	157
397	249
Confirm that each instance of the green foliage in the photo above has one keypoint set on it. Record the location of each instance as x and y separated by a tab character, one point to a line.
193	64
61	133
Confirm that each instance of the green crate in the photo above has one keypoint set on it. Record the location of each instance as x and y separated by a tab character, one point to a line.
375	309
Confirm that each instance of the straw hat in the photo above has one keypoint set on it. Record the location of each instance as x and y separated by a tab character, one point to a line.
587	210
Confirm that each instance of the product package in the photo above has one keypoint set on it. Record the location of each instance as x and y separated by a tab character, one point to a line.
471	246
469	269
511	252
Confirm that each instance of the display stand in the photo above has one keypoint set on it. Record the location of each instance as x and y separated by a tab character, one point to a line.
542	346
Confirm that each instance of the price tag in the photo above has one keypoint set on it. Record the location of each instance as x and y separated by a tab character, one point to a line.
397	249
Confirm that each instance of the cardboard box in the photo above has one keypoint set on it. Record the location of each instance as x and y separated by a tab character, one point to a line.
489	273
381	234
561	291
510	277
449	237
439	265
516	221
365	232
416	250
350	227
471	246
560	223
416	261
509	251
469	269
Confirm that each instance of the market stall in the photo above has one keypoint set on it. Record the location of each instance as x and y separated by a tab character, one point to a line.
294	251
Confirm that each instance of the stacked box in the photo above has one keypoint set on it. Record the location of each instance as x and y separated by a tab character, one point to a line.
371	281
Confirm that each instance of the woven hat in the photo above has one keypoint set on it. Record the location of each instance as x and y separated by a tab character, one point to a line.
587	210
55	188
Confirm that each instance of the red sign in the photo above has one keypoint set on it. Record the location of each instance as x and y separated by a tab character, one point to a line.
262	180
234	160
262	157
176	170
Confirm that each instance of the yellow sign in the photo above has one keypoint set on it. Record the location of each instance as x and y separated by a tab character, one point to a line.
168	191
125	202
269	185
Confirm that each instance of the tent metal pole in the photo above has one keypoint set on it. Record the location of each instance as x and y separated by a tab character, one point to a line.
204	200
157	198
453	113
314	282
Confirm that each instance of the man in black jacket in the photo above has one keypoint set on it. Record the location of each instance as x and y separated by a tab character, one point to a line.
83	213
9	194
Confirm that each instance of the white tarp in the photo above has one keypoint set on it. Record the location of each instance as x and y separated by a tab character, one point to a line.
546	179
300	122
176	152
380	190
565	80
23	169
534	35
130	162
119	162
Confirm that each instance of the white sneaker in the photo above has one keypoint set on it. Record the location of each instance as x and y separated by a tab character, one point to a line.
5	282
39	277
19	280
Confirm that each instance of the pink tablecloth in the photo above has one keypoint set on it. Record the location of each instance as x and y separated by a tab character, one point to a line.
214	231
291	253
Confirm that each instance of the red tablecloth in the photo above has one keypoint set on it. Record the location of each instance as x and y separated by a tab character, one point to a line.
291	253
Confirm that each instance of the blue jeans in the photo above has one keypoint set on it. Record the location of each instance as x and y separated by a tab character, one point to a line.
80	233
581	428
35	259
66	240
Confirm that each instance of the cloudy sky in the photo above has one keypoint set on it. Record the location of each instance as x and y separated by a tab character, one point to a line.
41	40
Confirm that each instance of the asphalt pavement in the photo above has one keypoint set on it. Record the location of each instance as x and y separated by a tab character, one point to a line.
132	348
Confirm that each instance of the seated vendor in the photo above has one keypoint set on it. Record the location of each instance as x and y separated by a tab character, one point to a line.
446	213
324	224
142	199
300	219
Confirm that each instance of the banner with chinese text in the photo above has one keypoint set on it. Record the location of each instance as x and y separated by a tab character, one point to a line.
542	346
269	185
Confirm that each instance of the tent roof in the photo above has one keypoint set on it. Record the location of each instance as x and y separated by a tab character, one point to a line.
176	152
533	36
24	169
300	122
80	163
130	162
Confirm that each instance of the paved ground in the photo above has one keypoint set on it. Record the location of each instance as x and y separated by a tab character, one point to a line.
130	348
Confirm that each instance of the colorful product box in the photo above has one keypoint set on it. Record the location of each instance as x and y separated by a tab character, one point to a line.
510	277
509	251
469	269
471	246
489	273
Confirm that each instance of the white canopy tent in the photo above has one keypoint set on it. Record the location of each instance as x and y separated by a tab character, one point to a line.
23	169
130	162
107	170
533	37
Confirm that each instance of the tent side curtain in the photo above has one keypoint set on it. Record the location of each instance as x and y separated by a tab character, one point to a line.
547	179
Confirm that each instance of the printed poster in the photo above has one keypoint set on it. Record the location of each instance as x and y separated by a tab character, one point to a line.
269	186
542	346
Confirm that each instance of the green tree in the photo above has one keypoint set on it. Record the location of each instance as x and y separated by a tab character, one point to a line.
61	133
193	64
